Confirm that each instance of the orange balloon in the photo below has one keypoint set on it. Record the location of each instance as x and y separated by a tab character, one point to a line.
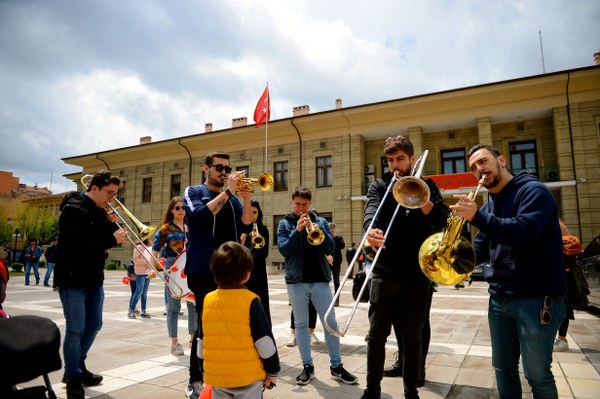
206	392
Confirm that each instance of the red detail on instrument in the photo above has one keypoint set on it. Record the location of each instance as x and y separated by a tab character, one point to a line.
174	269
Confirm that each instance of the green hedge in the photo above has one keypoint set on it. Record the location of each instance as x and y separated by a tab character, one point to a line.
111	266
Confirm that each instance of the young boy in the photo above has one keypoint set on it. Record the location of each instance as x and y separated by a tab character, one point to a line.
236	348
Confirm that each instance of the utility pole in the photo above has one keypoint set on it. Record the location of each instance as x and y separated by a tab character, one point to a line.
542	52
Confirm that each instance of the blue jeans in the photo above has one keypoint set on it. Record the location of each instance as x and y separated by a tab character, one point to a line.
320	295
142	282
516	331
50	266
173	308
28	266
82	308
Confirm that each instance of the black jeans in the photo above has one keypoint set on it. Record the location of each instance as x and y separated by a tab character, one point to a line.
335	273
200	286
405	305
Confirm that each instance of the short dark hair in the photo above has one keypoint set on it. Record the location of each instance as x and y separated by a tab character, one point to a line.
230	263
302	192
495	152
393	144
215	154
254	203
103	178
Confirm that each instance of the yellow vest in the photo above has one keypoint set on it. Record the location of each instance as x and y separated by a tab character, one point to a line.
230	358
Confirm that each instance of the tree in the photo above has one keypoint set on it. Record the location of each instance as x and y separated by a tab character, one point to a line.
37	223
6	230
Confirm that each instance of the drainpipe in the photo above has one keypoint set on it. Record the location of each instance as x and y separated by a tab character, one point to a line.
300	141
191	162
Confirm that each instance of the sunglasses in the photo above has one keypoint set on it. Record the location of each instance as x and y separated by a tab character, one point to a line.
178	208
545	316
220	167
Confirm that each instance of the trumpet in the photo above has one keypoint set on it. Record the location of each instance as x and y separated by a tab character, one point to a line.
256	240
315	234
264	182
410	192
143	232
448	258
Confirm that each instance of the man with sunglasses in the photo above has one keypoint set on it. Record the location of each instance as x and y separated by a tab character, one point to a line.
85	233
519	232
214	216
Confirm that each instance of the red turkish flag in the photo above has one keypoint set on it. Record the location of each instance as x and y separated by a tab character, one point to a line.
262	113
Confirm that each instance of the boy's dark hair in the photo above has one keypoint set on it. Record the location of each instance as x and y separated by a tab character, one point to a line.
103	178
302	192
393	144
495	152
215	154
230	263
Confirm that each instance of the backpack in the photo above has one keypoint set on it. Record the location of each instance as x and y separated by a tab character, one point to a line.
577	285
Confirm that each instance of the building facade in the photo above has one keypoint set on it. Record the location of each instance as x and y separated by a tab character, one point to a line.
547	124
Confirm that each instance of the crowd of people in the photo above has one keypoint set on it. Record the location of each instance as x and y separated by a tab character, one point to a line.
216	232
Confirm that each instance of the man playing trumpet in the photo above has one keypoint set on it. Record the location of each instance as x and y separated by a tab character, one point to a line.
214	216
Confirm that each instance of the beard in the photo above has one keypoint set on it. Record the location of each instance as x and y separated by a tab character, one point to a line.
217	180
496	177
402	173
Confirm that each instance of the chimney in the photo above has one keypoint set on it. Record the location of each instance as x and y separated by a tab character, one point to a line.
207	127
597	57
301	110
145	140
338	103
237	122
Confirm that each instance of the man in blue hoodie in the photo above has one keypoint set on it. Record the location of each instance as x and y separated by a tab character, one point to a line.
214	216
519	233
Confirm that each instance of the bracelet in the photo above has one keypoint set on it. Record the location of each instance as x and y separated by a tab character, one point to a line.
228	192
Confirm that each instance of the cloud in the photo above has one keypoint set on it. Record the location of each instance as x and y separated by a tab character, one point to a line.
82	77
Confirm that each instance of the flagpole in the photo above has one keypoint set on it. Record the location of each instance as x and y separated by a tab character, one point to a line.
267	128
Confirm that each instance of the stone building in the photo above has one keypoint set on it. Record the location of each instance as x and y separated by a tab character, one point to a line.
547	124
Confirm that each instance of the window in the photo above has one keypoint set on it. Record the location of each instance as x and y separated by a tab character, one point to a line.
175	185
523	156
245	169
454	161
276	220
281	176
147	190
324	171
122	193
384	166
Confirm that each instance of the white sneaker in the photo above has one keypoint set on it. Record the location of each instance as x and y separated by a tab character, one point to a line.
291	340
314	340
560	345
176	349
193	390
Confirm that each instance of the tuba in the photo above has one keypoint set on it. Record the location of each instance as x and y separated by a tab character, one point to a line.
446	257
256	240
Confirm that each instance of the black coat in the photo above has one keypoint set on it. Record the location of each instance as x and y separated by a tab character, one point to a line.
85	233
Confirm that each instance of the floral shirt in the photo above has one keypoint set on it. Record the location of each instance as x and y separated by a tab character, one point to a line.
169	240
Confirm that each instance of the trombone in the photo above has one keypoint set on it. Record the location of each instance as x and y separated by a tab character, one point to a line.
144	231
264	182
315	235
410	192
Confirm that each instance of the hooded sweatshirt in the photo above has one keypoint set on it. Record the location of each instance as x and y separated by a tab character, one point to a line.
85	233
519	233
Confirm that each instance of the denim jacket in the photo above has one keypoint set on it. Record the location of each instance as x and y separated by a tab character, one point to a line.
290	242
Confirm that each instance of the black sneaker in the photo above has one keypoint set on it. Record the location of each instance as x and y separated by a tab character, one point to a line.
75	388
308	373
339	373
371	394
395	370
90	379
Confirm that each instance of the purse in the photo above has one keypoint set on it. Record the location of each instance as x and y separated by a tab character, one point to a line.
357	283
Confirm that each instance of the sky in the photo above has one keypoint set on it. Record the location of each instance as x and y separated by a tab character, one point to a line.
82	76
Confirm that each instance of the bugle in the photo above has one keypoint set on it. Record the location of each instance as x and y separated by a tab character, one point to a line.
315	236
413	193
143	231
264	182
256	240
447	258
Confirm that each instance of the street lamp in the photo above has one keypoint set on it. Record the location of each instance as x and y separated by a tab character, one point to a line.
15	248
